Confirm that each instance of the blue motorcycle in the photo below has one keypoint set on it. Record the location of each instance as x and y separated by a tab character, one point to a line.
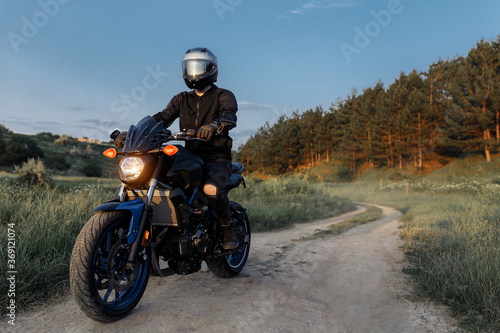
161	222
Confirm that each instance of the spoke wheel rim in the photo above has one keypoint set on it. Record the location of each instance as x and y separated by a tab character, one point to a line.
236	258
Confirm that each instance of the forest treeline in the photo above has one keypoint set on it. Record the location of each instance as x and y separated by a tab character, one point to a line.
450	109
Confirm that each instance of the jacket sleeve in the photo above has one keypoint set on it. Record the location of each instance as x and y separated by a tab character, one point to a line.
170	113
228	109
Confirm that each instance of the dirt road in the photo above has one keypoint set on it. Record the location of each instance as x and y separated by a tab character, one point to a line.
350	283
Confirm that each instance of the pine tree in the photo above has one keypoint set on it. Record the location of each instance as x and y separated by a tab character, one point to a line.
496	88
349	150
471	116
367	133
420	120
435	92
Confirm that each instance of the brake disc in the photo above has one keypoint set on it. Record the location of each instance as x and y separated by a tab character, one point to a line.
119	277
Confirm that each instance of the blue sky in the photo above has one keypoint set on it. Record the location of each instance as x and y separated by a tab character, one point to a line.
86	67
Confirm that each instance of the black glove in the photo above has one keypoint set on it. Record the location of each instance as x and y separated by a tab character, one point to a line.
120	139
207	131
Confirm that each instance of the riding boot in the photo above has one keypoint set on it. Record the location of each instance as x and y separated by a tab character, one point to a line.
221	206
230	240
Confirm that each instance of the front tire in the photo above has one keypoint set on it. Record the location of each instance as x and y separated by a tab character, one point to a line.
101	285
232	263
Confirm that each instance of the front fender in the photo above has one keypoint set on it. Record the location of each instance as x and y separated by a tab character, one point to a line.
107	206
135	207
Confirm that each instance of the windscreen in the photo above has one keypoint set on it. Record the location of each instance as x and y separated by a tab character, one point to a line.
140	137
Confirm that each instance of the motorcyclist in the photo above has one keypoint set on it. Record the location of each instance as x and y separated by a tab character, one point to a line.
211	111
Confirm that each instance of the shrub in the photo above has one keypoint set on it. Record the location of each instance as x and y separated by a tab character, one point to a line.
74	152
92	169
63	140
344	175
47	136
57	162
34	173
20	149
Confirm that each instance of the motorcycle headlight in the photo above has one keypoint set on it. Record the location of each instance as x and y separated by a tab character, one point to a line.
131	168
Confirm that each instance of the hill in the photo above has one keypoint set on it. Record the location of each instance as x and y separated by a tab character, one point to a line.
61	154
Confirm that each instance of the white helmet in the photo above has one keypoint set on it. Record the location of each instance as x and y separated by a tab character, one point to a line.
199	68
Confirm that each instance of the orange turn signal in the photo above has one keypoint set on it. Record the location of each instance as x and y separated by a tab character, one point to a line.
145	239
170	150
111	153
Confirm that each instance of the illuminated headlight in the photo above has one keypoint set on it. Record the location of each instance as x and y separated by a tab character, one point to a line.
131	168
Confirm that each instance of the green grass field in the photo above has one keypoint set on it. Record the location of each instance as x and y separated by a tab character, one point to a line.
277	203
46	222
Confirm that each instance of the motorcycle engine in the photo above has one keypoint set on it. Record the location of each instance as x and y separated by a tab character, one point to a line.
187	250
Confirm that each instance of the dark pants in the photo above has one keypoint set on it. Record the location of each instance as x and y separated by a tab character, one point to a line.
217	173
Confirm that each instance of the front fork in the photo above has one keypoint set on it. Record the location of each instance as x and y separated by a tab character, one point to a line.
146	214
143	224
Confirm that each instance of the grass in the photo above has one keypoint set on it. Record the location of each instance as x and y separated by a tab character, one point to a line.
454	249
372	213
277	203
46	222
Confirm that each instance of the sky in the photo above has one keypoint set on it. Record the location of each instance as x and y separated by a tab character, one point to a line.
85	68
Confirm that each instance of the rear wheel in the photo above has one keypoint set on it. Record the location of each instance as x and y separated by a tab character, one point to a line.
232	263
103	287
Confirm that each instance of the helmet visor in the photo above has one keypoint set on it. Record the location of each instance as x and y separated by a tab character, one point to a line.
197	67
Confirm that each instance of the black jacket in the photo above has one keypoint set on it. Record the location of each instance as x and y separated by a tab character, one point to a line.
195	111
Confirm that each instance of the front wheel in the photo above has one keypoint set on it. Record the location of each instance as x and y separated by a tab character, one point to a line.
103	287
232	263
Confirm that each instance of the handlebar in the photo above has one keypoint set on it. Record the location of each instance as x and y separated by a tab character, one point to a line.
166	136
187	135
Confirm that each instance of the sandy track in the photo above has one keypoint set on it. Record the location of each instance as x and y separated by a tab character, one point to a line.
349	283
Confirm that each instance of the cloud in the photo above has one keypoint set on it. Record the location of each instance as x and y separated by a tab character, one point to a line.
29	126
253	106
91	121
283	17
315	6
80	109
240	137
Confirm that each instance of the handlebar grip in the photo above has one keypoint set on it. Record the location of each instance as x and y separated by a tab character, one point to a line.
191	132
